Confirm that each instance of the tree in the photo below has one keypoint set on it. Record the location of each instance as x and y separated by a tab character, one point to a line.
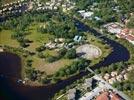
61	72
68	72
52	59
41	48
71	54
31	73
130	24
41	55
130	76
62	51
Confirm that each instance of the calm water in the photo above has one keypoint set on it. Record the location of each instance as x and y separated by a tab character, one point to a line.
10	67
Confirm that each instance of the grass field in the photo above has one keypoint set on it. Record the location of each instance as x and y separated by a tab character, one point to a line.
50	68
104	48
38	39
5	38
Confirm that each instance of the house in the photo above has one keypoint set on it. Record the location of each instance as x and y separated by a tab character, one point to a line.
113	74
127	34
71	94
119	78
103	96
106	76
114	96
113	27
85	14
106	95
112	80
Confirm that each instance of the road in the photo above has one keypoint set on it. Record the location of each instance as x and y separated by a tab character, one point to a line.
107	85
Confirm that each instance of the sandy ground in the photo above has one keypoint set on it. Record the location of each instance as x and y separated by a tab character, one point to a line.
88	51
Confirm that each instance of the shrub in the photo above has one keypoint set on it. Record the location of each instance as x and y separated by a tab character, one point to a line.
51	59
71	54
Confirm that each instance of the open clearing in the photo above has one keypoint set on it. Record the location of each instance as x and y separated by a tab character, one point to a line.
88	51
5	38
50	68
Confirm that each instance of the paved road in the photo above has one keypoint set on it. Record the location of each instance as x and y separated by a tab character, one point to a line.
106	85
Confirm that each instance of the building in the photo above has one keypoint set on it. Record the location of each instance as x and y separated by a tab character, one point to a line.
113	27
1	50
103	96
85	14
77	38
108	96
127	34
88	83
106	76
114	96
71	94
113	74
130	38
112	80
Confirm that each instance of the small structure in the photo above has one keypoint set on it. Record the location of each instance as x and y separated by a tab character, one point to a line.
71	94
88	83
119	78
125	77
1	49
85	14
113	74
50	45
97	18
77	38
112	80
106	76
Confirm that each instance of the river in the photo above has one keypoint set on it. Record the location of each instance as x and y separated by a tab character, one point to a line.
10	90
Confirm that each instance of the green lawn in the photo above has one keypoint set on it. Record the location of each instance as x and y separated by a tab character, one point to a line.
37	37
104	47
5	38
50	68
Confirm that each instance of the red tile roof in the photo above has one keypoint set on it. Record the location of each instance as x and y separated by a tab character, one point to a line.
121	36
115	97
130	37
126	30
103	96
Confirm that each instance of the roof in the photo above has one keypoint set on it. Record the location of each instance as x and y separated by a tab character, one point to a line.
88	81
103	96
115	97
87	14
108	96
71	94
130	37
125	31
